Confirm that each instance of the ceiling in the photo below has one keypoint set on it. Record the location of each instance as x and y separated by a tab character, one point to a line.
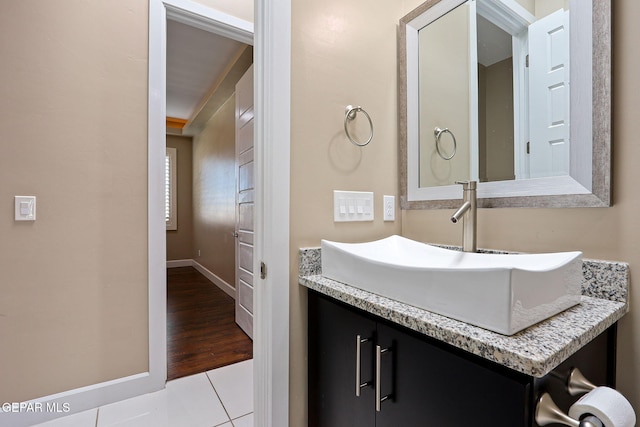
197	61
494	44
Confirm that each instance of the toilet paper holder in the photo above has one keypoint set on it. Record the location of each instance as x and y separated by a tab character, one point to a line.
598	406
577	383
547	412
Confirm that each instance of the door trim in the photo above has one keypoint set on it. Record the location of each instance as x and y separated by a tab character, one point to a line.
272	129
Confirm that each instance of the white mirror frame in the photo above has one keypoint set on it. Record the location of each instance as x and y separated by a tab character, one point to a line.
588	184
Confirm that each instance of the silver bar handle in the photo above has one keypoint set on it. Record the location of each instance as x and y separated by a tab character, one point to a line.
379	399
359	384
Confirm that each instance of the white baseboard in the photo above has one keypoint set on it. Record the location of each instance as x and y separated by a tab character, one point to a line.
78	400
216	280
227	288
180	263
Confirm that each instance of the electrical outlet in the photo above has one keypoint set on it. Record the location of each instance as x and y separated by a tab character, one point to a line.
389	204
198	252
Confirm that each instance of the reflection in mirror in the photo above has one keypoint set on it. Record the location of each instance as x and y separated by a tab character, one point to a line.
478	68
485	87
496	129
445	98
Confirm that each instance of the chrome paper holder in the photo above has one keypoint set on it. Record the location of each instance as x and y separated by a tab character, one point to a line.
547	412
577	384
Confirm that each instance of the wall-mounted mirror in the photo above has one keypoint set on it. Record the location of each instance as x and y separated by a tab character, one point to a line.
515	94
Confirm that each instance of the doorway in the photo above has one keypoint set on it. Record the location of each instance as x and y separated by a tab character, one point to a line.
203	75
272	95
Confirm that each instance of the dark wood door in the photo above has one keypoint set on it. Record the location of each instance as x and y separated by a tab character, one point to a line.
333	329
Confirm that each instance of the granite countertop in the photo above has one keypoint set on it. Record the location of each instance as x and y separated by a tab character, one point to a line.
534	351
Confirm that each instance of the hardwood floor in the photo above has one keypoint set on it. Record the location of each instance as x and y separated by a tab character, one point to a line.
201	329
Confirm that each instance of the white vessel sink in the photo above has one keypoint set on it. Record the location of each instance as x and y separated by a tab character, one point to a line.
504	293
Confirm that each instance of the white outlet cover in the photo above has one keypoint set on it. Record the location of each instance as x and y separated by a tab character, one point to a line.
389	208
25	208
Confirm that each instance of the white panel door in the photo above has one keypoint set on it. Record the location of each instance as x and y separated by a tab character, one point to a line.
549	95
244	202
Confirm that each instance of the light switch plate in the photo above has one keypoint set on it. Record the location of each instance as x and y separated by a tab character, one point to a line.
352	206
25	208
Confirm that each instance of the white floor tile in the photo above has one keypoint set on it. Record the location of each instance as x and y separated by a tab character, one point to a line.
186	402
246	421
81	419
234	384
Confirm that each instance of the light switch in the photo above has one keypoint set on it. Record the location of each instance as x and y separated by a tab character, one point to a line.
25	208
352	206
343	206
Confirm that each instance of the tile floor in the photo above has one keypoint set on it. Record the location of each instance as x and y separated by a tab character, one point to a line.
222	397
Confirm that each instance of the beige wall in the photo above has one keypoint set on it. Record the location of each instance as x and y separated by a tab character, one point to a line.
73	132
342	53
498	115
180	241
602	233
242	9
530	5
214	195
444	98
547	7
541	8
482	124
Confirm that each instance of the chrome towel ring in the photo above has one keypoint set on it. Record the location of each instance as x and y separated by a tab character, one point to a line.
350	114
438	133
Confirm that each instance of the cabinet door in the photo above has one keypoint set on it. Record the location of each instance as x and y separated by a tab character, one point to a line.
333	329
432	386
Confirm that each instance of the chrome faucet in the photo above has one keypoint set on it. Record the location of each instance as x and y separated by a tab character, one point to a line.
468	214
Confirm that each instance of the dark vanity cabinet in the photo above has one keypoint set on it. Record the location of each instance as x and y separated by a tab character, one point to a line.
333	331
407	379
